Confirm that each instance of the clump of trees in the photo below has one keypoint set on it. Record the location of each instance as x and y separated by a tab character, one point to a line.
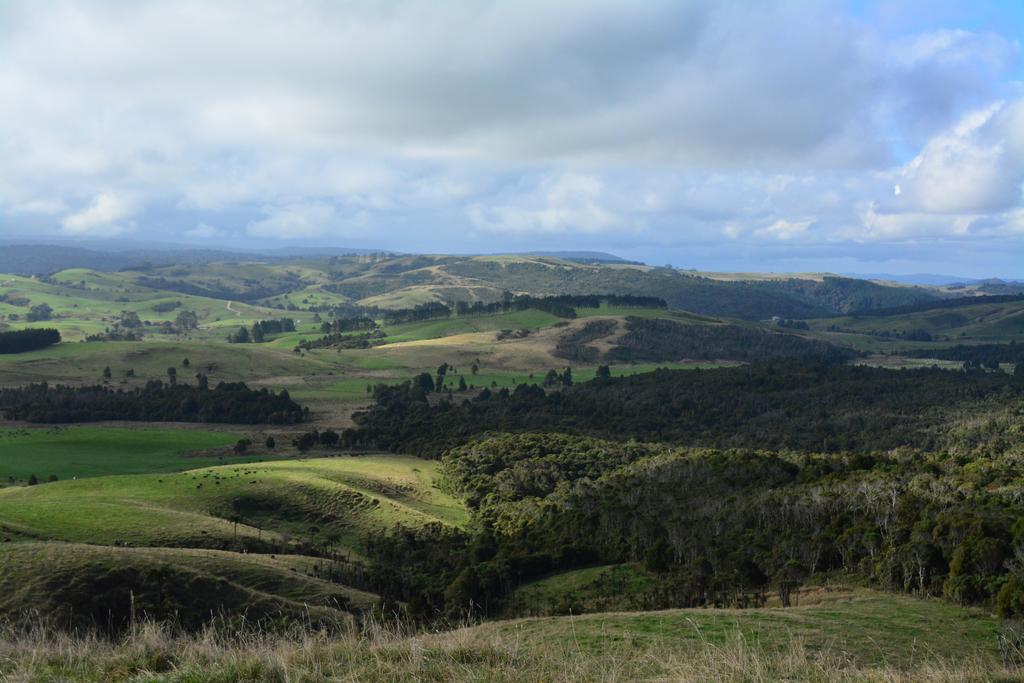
166	306
260	330
427	311
357	323
127	327
186	321
19	341
39	312
339	340
308	440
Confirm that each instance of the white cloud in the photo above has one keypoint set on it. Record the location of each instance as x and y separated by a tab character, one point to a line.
103	216
973	167
965	181
696	121
306	220
785	229
569	202
876	225
204	231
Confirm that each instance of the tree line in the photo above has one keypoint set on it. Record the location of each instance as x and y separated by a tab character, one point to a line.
989	356
233	403
19	341
260	330
563	306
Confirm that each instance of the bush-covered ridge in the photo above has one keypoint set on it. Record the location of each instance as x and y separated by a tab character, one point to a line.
666	340
933	304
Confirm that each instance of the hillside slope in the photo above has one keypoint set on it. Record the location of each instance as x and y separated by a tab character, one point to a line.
100	586
268	506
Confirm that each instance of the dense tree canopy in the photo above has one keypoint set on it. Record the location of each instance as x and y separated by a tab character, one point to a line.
713	526
156	402
18	341
787	405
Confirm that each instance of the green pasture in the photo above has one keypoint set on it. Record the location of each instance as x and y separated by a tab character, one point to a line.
85	362
99	451
337	499
433	329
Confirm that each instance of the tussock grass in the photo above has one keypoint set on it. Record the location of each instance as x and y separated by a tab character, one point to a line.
380	651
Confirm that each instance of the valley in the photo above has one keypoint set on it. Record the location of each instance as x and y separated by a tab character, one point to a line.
435	439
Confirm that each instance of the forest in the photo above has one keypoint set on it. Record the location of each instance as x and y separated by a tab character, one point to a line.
793	405
665	340
931	524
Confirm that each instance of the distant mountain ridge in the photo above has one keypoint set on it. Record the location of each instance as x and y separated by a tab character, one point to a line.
932	279
338	276
585	256
43	259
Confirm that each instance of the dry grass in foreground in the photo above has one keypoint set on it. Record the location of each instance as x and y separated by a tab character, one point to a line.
376	653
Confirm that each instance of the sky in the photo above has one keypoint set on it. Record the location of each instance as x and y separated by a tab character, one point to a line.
873	137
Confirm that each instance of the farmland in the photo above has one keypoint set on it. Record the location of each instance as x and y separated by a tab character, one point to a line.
77	452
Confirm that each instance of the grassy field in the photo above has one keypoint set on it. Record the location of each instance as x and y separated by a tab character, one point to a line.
85	362
433	329
844	636
335	501
99	451
631	311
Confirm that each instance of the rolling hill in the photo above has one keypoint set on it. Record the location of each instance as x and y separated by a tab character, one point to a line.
274	505
388	281
92	586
